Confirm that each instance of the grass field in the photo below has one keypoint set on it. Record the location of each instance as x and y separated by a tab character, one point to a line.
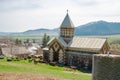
27	37
45	69
113	39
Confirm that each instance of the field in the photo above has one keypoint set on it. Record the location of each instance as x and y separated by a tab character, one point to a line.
111	39
27	37
23	67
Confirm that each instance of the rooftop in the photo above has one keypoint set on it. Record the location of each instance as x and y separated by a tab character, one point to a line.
82	43
67	22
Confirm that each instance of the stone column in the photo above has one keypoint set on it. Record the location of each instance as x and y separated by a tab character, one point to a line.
51	55
106	67
60	56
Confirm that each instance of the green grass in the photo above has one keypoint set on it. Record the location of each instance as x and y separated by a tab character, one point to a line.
24	66
27	37
30	37
113	39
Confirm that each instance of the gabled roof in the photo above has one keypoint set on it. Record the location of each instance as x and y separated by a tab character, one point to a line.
60	40
82	43
67	22
87	43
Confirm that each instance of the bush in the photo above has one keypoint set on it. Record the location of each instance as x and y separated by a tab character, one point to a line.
9	59
1	57
53	63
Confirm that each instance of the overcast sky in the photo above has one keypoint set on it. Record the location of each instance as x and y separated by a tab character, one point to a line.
22	15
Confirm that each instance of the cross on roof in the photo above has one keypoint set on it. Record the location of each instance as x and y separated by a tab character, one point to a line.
67	10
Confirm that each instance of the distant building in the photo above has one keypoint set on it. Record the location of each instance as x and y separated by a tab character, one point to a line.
14	50
70	50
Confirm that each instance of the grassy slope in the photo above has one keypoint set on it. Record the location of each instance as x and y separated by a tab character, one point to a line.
24	66
113	39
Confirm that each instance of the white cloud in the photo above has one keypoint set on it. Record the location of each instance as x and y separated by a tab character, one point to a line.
21	15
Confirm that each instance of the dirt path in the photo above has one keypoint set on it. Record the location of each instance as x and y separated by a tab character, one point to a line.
25	76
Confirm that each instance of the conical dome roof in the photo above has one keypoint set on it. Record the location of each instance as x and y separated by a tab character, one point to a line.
67	22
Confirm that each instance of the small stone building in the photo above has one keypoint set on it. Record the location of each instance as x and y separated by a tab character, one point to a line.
14	50
71	50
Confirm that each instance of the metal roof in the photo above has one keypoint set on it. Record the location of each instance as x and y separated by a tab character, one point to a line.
82	43
67	22
60	40
87	43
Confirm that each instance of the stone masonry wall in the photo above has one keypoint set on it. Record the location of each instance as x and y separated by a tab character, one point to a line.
106	67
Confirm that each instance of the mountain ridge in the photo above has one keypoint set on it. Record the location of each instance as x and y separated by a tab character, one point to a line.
93	28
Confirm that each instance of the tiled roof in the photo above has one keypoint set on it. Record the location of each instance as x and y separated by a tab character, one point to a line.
67	22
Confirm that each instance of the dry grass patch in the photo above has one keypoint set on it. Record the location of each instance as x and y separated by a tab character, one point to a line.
25	76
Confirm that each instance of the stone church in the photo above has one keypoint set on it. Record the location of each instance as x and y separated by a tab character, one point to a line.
72	50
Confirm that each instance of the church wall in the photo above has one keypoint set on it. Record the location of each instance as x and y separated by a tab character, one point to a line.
46	55
79	61
56	48
105	48
51	54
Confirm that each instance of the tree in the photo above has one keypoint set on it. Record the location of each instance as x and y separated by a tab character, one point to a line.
45	40
18	42
48	38
34	40
27	40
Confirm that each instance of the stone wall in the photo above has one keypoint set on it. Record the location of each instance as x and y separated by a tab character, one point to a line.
106	67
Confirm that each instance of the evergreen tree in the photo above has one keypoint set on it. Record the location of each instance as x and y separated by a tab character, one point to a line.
20	42
34	41
16	41
48	38
27	40
45	39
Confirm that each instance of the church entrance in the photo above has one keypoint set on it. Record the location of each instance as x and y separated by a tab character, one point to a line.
55	56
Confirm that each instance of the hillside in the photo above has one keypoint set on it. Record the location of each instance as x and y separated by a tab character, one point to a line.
24	70
39	32
98	28
90	29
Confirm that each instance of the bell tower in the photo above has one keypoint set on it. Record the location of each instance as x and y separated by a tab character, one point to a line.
67	29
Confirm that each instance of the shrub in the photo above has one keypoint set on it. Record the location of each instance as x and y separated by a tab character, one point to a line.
9	59
53	63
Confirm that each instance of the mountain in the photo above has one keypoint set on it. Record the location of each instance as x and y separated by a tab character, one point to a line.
90	29
38	32
98	28
4	33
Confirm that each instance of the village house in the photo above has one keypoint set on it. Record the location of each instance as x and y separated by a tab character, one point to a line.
13	50
72	50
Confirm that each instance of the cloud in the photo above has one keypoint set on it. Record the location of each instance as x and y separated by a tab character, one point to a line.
21	15
13	5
